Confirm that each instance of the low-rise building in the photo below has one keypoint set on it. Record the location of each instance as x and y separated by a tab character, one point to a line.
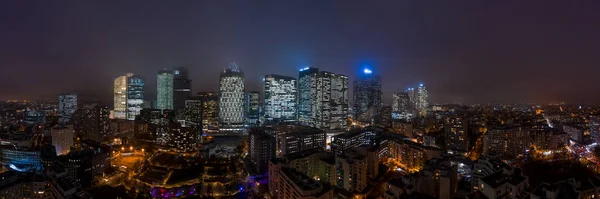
506	183
297	185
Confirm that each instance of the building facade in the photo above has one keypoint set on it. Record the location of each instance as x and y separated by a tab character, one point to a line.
67	105
210	111
252	108
231	99
261	149
280	98
401	106
164	89
128	96
182	88
322	99
367	96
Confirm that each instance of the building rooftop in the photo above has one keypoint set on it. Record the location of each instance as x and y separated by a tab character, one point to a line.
301	180
512	176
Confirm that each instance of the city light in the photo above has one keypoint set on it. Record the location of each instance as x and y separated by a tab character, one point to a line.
367	71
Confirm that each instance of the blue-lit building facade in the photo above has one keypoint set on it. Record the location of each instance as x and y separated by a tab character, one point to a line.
21	160
367	96
280	93
135	96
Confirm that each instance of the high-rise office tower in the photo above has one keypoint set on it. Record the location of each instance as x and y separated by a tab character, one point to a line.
231	99
62	139
401	106
322	99
367	96
120	97
280	98
422	99
128	96
412	95
67	105
210	111
164	88
181	88
252	108
192	115
135	95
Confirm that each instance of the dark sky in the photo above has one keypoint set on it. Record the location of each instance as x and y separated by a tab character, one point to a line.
464	51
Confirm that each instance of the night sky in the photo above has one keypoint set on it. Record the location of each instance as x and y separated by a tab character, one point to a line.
465	52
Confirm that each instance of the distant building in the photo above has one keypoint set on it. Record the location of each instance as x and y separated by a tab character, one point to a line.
456	134
181	88
367	96
62	139
422	99
322	99
577	133
296	138
549	139
252	105
92	122
231	99
67	105
384	118
411	155
353	139
507	141
261	149
164	87
210	111
128	96
401	106
280	98
180	139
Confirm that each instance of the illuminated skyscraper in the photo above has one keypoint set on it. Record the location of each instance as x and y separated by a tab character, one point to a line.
181	88
252	108
401	106
322	99
120	97
231	99
210	111
164	87
135	95
280	98
67	105
422	99
367	96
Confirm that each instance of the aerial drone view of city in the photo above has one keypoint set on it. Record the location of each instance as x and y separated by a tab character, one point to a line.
299	99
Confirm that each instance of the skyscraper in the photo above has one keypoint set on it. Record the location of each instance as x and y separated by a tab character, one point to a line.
181	88
252	108
280	98
67	105
135	95
322	99
210	111
164	88
401	106
231	99
423	99
367	96
120	97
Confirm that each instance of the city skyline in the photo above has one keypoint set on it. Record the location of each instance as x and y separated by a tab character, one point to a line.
524	53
